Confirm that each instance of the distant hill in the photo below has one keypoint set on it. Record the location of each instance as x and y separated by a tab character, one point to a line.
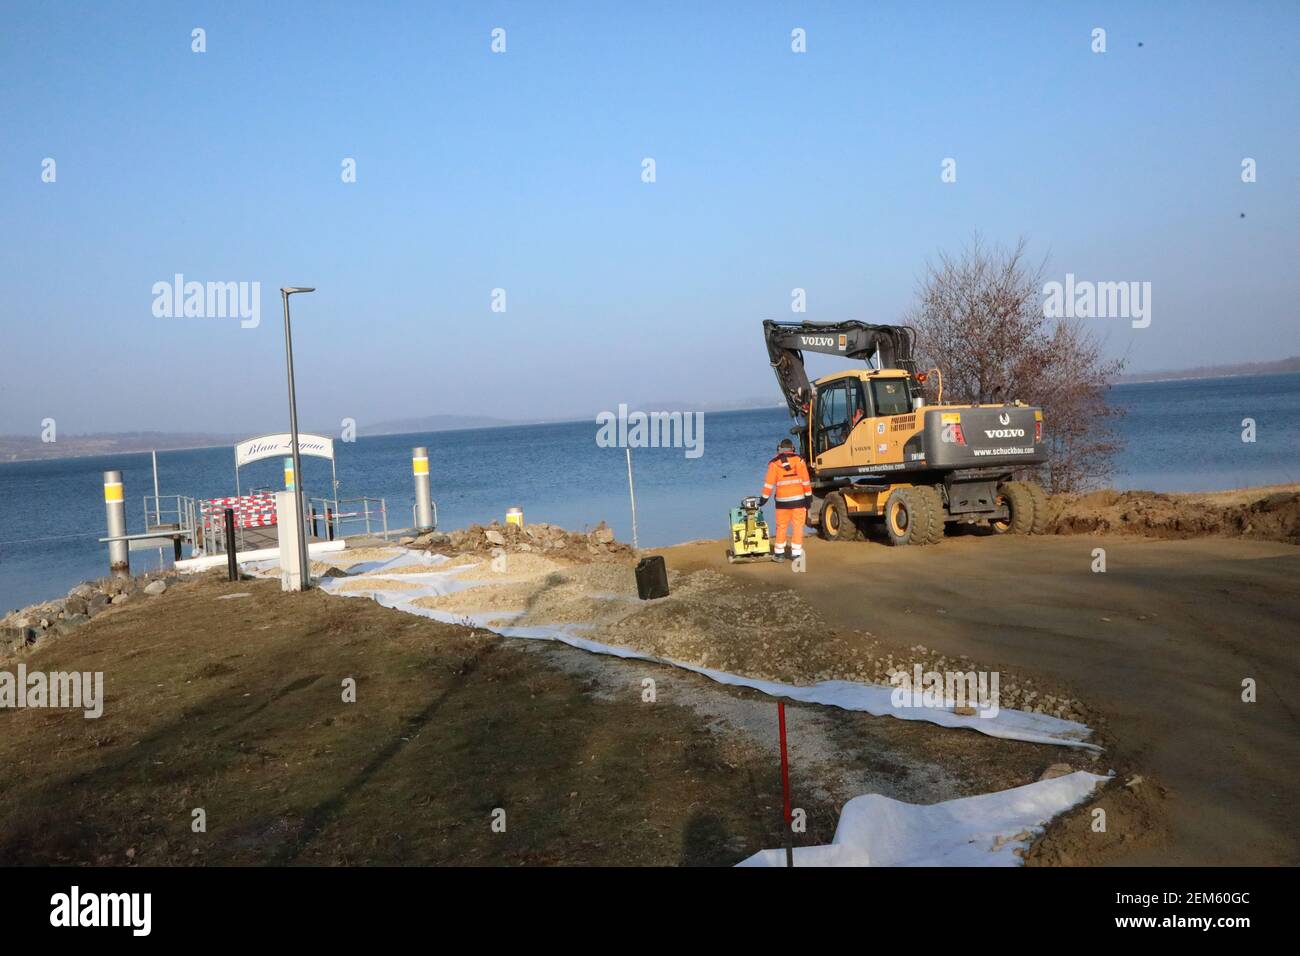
1275	367
31	448
431	423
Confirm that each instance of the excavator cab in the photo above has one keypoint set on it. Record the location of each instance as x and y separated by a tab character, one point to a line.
857	417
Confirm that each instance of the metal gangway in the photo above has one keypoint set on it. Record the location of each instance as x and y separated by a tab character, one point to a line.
169	521
325	519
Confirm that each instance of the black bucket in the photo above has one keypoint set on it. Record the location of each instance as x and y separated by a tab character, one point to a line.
652	578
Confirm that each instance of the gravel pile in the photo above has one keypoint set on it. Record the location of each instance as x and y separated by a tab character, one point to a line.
548	539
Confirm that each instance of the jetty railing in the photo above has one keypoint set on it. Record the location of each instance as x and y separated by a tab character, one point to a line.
339	517
172	513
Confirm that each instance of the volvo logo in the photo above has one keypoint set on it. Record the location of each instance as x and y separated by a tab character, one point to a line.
1004	418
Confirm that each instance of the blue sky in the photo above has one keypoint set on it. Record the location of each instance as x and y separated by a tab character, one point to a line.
522	171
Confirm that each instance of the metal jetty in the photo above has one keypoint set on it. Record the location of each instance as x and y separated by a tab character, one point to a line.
177	521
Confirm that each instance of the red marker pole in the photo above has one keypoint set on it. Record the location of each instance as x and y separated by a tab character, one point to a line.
785	786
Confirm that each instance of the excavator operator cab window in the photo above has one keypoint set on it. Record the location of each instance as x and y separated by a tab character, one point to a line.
891	396
840	406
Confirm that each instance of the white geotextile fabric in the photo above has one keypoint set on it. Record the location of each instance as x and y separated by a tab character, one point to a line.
874	699
972	831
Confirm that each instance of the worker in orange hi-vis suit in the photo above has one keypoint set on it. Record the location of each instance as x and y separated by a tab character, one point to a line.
788	482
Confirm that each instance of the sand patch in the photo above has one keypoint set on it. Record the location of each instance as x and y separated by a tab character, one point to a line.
352	556
515	567
1270	514
586	593
367	582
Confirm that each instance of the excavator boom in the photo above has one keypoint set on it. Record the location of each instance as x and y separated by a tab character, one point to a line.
787	341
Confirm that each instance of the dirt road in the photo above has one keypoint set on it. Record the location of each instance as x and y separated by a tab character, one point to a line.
1160	642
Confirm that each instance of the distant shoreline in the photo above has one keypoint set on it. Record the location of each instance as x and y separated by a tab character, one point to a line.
1198	378
219	441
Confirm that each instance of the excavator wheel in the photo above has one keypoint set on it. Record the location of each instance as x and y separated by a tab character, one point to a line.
836	525
1020	502
907	517
1040	507
933	510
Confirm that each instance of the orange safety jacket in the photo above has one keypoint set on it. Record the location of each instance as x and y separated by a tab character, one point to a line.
787	477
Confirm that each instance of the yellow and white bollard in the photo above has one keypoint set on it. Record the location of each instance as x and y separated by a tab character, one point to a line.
288	474
119	560
423	508
515	516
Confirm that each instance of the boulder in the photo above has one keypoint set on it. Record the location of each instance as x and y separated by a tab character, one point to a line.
121	598
70	624
156	588
494	536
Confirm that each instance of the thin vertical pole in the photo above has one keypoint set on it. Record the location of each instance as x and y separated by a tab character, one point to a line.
156	506
297	461
785	786
157	509
631	490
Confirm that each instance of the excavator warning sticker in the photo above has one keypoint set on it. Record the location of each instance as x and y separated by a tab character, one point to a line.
950	418
844	342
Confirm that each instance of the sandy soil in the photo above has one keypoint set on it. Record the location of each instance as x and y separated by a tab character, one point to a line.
1265	514
710	620
1158	646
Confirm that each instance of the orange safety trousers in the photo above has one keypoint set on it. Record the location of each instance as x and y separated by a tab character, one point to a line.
791	519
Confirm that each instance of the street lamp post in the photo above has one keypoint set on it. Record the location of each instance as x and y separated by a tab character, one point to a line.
305	567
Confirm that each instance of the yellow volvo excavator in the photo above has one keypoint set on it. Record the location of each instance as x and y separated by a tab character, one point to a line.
876	451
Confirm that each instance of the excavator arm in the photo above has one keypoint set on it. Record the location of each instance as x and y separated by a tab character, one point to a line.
787	341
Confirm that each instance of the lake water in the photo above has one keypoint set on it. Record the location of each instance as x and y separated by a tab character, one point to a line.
1181	436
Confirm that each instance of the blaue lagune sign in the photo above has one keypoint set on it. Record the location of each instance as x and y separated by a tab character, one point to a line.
272	446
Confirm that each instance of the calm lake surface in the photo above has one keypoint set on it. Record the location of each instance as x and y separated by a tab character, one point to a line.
1181	436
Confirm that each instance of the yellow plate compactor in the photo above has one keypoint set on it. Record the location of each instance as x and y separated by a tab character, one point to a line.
750	540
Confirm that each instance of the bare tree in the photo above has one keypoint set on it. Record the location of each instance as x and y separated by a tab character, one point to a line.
979	319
